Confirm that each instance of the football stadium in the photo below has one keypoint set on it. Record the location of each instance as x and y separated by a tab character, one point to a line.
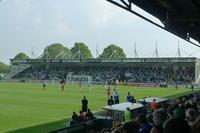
29	107
68	91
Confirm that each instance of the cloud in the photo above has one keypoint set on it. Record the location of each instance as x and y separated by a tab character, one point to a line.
23	7
61	27
105	13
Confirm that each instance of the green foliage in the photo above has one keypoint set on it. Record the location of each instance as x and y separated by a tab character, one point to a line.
4	67
56	50
21	56
84	50
113	51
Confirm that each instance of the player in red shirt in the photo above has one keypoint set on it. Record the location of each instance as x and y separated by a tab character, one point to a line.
80	84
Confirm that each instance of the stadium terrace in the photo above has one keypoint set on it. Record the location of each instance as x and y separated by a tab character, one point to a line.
130	70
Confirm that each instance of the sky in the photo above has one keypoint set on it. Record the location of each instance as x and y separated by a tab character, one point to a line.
32	25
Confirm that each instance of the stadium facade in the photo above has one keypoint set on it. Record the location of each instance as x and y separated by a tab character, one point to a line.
132	70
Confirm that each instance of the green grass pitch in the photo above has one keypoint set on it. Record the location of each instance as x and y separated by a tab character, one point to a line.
24	105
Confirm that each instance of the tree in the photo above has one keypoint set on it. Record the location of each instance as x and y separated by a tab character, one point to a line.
56	51
80	50
113	51
21	56
4	67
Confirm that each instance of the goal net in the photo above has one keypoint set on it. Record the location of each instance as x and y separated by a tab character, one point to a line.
84	80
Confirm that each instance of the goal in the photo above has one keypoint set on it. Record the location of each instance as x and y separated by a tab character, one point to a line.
77	79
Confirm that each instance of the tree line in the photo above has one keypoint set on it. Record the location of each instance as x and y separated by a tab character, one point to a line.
4	67
78	51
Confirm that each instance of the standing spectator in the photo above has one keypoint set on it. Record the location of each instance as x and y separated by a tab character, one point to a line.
129	97
116	97
84	104
153	105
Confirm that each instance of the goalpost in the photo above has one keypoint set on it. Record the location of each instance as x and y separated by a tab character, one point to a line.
84	80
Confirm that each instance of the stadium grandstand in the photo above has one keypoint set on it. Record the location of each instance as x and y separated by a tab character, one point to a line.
130	70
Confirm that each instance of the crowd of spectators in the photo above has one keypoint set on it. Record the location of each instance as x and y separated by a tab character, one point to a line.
182	117
84	115
111	74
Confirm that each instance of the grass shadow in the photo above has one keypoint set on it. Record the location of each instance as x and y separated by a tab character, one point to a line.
43	128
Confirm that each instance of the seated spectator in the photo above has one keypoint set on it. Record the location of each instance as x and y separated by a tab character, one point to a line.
74	119
191	116
187	106
198	107
178	100
196	125
177	125
179	113
144	126
130	127
89	115
81	117
116	130
170	115
150	119
159	117
92	131
105	130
